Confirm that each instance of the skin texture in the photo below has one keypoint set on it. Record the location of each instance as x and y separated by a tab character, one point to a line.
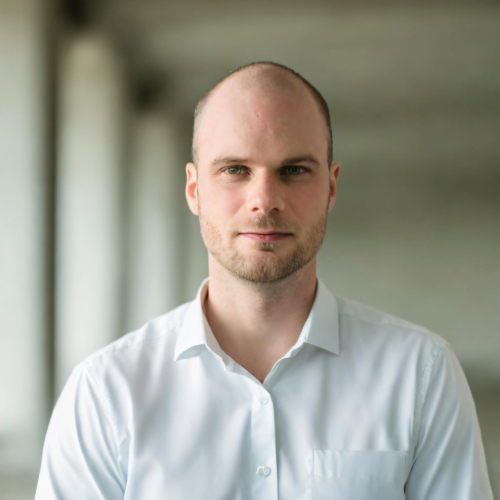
261	292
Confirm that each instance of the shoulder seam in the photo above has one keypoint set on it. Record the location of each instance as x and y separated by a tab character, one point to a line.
98	354
418	328
424	385
412	327
109	414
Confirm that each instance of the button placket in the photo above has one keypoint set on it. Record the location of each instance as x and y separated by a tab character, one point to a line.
264	448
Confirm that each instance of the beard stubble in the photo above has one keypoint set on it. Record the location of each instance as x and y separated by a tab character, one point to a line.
267	268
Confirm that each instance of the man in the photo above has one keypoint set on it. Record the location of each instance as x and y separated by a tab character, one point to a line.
266	386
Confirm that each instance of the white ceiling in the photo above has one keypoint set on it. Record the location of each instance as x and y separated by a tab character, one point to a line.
408	85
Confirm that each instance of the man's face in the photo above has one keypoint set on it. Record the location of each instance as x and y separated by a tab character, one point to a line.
262	168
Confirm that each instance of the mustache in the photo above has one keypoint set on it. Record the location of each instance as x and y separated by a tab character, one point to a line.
267	224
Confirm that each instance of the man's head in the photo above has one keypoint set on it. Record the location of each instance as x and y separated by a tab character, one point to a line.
262	149
281	76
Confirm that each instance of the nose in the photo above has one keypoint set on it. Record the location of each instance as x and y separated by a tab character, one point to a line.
264	193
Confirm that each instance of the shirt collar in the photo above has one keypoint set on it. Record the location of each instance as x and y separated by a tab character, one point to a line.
320	329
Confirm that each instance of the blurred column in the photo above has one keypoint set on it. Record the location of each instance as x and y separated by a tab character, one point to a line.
89	200
24	124
155	243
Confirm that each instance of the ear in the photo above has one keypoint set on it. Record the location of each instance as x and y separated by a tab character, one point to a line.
192	188
334	175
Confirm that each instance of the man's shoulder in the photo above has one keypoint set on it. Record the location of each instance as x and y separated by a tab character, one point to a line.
373	321
156	334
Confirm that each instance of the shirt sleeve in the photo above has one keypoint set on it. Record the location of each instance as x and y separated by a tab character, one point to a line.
80	458
449	460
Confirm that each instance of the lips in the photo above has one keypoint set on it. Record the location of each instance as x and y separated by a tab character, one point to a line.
266	236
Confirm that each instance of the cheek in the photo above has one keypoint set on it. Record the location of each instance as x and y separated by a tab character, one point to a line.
226	200
307	203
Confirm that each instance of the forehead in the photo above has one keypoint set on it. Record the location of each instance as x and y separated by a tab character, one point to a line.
251	118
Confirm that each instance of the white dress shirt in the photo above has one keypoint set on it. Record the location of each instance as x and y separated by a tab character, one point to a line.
364	406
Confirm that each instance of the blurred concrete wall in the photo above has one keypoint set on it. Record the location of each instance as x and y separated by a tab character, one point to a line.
415	108
23	259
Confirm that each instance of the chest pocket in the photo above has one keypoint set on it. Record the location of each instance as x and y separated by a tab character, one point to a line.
358	475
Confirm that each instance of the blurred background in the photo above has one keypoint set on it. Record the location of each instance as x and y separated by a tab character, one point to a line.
96	106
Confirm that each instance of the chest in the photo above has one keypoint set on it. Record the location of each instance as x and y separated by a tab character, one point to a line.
309	432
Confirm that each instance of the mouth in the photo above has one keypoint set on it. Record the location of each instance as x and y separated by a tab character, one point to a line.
266	236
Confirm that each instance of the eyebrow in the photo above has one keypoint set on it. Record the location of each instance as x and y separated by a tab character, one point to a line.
288	161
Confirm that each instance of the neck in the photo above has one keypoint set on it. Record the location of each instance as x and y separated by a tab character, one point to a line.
246	315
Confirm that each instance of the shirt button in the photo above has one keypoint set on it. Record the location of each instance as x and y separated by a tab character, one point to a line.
263	400
263	470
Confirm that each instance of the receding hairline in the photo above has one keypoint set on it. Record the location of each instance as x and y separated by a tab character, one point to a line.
281	77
